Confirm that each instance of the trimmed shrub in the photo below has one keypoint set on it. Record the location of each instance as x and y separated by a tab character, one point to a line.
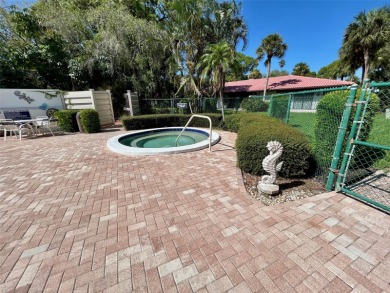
168	120
254	105
330	106
252	118
278	107
232	122
156	110
90	120
67	120
252	139
235	121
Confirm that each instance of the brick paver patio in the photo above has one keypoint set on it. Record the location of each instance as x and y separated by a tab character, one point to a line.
76	217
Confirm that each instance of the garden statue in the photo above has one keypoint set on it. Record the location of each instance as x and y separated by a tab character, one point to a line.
266	184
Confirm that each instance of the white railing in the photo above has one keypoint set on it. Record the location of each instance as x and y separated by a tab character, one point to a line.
200	116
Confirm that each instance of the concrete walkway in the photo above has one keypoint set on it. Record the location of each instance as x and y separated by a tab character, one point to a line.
76	217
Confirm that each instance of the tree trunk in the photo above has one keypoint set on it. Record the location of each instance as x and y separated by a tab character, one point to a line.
366	66
266	80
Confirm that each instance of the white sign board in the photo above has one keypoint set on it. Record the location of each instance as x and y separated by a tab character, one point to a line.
29	103
182	105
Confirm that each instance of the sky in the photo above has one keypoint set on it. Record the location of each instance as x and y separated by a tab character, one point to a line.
312	29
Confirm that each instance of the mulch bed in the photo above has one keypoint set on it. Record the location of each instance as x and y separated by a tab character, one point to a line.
290	189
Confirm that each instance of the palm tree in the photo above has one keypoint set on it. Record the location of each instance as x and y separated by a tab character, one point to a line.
381	65
192	26
218	59
364	37
229	24
301	69
271	46
334	70
255	73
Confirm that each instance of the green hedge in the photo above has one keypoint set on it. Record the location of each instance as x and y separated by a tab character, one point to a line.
254	134
157	110
168	120
90	120
254	105
330	106
232	122
67	120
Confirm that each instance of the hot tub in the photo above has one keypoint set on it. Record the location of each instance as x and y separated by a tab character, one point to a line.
162	141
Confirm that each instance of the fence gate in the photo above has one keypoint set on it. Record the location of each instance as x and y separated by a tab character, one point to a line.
364	172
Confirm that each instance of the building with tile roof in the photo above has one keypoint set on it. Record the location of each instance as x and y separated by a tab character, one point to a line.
280	84
303	100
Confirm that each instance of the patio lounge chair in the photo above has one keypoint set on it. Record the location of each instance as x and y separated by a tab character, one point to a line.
12	128
2	123
49	126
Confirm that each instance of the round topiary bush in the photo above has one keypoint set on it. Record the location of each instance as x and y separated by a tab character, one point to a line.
67	120
90	120
251	148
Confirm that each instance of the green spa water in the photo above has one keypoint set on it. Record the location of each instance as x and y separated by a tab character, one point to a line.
163	139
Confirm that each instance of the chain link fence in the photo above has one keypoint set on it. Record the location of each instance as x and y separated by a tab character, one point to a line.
365	168
318	121
203	104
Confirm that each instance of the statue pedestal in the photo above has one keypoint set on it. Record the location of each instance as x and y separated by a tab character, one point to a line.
267	188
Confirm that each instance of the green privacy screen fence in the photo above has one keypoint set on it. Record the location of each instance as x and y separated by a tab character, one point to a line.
363	170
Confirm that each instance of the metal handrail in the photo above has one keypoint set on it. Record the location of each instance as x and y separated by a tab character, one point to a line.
200	116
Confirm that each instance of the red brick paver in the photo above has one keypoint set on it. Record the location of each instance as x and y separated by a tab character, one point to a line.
76	217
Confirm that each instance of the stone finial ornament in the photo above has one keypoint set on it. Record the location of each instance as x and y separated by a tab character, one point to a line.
266	184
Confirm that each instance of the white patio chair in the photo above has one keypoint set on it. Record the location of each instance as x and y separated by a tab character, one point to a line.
17	130
4	122
49	126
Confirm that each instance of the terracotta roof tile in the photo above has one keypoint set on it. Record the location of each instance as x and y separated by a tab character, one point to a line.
283	83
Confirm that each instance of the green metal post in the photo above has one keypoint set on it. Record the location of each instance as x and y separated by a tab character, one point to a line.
379	84
371	145
351	135
288	109
341	136
365	199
